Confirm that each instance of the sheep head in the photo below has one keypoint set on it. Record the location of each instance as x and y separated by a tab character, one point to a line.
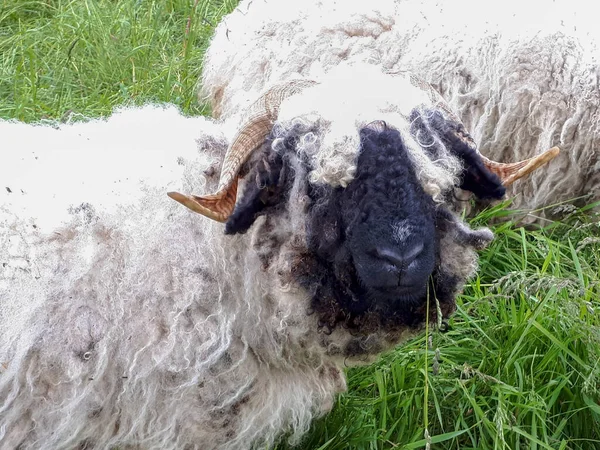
369	251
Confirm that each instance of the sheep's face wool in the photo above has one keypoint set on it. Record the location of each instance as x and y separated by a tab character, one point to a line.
364	236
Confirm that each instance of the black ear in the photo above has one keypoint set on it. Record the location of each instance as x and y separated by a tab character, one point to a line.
476	177
265	189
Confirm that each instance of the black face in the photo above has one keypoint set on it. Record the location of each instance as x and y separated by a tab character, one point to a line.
384	225
373	247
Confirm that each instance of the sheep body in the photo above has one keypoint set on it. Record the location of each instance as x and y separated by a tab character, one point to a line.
127	321
523	77
159	348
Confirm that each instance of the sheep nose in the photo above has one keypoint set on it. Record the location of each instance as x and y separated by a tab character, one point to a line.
400	258
402	267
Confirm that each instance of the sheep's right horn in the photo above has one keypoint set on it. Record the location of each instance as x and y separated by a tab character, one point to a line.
262	114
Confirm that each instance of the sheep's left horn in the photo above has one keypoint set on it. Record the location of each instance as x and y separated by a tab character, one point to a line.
507	172
262	114
511	172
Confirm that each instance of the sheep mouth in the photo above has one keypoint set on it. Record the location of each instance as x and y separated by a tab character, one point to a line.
339	298
410	294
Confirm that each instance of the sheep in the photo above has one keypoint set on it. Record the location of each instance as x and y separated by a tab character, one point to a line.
128	322
522	76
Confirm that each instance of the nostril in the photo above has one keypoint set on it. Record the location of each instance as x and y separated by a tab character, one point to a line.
400	258
412	254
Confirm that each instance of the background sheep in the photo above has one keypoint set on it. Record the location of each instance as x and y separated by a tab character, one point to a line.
523	77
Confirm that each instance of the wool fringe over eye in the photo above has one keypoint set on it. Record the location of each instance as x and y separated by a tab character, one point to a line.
262	116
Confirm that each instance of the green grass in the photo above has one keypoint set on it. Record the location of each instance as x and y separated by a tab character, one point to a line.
85	56
519	366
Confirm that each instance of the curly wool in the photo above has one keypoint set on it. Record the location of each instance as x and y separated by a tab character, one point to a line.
161	350
127	321
118	326
522	76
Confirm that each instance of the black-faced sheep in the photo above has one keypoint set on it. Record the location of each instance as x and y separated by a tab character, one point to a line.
128	322
522	76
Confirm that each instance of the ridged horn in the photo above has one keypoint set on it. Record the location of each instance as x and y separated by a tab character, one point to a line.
262	114
511	172
507	172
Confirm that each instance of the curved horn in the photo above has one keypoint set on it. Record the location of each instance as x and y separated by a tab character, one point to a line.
511	172
262	114
507	172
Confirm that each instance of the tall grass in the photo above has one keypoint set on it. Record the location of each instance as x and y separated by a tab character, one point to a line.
519	363
59	57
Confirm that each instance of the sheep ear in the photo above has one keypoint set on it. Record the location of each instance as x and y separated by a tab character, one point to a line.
453	129
476	177
264	190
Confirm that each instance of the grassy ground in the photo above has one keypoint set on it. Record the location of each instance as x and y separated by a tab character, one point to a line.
519	366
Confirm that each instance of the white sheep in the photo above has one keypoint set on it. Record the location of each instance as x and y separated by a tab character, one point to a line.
523	76
128	322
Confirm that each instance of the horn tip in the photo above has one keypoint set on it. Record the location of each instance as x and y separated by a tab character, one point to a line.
193	204
176	196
